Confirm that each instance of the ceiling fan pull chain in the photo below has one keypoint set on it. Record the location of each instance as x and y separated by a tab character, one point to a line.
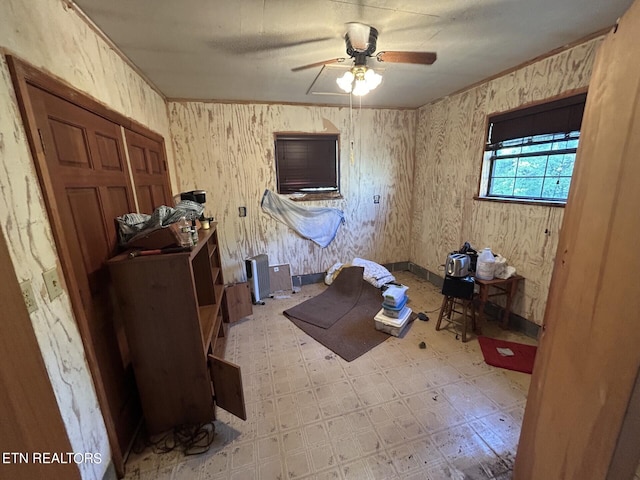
351	142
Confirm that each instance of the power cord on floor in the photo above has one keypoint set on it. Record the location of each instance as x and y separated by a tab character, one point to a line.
437	309
190	439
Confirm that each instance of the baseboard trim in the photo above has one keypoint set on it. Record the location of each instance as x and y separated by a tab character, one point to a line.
307	279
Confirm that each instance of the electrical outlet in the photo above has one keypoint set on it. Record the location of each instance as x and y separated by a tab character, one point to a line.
242	211
52	281
376	199
29	297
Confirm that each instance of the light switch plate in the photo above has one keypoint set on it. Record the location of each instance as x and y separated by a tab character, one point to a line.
52	281
29	297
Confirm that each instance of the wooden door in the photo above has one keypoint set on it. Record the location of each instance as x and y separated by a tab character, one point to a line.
86	167
579	417
31	420
149	167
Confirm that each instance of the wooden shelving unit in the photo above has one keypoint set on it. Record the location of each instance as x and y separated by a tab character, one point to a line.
171	308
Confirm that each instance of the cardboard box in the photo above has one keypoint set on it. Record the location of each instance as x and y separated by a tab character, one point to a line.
237	302
280	278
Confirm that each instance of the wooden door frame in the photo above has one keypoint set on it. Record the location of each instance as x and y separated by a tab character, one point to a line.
24	74
583	410
31	419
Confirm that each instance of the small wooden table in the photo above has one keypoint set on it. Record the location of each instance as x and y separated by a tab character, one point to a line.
504	286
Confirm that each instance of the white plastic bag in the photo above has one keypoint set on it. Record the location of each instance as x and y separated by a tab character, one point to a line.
502	269
332	273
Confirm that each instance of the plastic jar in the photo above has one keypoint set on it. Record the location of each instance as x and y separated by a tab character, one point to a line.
486	265
184	228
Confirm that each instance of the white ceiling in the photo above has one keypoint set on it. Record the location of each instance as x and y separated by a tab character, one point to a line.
244	50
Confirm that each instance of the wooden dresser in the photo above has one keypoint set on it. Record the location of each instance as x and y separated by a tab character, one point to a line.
171	310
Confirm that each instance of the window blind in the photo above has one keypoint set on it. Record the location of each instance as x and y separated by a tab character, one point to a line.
306	162
559	116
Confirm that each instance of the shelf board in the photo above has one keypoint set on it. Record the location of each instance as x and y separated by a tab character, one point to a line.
218	340
208	314
219	291
215	273
212	248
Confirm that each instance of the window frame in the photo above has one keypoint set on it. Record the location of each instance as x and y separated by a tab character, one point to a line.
486	173
331	189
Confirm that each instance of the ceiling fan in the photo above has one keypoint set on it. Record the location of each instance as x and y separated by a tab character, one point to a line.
361	41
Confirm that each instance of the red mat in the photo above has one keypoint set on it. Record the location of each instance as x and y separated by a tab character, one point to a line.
521	360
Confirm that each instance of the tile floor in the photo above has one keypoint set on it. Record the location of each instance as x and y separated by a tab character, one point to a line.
397	412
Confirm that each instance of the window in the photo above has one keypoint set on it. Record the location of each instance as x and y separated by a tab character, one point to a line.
530	152
307	163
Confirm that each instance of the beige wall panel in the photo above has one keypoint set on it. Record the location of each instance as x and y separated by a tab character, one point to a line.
449	147
552	76
227	150
55	39
444	171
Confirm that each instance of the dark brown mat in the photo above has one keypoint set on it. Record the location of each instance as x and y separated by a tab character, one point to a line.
354	333
335	302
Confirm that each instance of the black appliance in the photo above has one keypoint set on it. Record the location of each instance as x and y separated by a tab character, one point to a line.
199	196
458	287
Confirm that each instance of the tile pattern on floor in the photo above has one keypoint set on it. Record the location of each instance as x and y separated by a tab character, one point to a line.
397	412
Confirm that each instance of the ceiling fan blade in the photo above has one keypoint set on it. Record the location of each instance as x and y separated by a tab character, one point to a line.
421	58
263	43
318	64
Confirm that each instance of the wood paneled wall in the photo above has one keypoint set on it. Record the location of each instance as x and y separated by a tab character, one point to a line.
449	148
228	150
51	36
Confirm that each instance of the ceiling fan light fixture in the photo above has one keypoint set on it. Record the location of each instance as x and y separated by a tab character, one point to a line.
360	88
345	82
360	80
372	78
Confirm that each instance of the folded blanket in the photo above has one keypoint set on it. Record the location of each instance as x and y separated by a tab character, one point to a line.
374	273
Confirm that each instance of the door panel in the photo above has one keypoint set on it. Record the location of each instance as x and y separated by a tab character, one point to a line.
155	165
136	155
149	171
145	199
117	202
227	386
71	146
83	205
84	158
109	153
